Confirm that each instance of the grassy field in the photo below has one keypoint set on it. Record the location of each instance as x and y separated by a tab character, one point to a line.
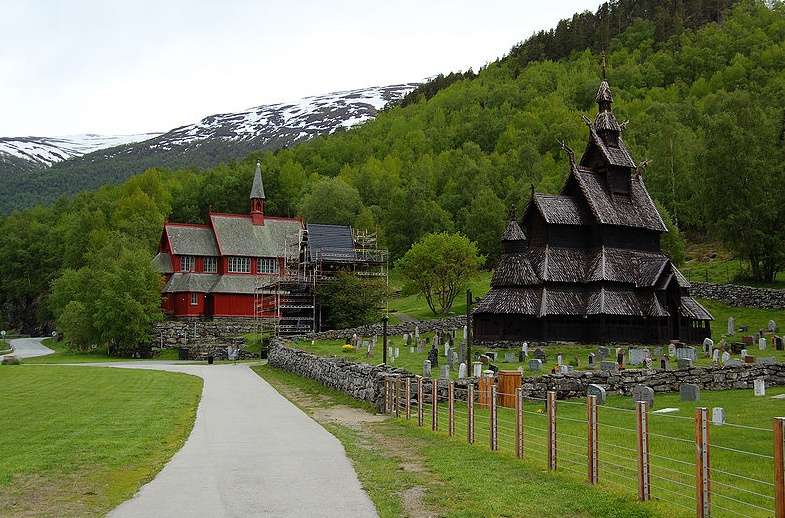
709	262
410	471
63	354
77	441
416	307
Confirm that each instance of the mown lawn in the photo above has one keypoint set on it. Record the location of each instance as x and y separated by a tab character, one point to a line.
63	354
394	457
77	441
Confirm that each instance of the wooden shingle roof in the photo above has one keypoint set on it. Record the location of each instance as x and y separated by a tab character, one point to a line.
514	270
561	210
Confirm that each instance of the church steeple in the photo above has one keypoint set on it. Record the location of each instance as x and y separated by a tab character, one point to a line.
257	197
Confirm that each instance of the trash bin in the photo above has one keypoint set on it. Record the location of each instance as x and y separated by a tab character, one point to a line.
210	359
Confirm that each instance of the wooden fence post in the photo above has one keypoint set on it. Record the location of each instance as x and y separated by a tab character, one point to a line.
408	401
397	396
644	476
434	405
387	395
519	423
451	408
493	426
550	403
419	401
779	467
470	413
591	417
702	466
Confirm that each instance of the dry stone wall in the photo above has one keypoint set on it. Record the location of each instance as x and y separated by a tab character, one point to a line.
366	382
203	338
740	296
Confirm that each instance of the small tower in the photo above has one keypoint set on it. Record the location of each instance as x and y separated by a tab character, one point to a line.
257	197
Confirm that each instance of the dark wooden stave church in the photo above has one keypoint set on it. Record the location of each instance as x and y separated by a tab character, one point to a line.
586	265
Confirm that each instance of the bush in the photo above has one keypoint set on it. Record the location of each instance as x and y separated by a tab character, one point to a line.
349	301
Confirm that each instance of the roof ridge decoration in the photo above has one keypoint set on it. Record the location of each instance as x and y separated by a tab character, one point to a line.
257	189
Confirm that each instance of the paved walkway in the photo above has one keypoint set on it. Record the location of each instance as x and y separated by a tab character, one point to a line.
29	347
251	453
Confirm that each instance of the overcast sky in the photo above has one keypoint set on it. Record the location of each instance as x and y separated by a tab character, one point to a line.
117	67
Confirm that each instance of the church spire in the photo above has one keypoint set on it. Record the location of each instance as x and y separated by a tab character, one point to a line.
257	197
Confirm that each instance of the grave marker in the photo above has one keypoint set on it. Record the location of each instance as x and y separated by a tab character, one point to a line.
685	363
689	392
762	343
535	364
509	357
731	326
597	390
718	416
461	371
664	363
426	369
772	326
643	393
725	357
636	356
539	353
591	361
759	387
476	369
444	372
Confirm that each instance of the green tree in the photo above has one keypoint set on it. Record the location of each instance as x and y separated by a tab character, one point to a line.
332	201
438	267
351	301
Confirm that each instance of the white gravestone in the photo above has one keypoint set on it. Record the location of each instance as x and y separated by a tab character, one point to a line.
476	369
725	357
731	326
759	386
762	343
715	355
708	345
461	371
718	416
772	326
426	369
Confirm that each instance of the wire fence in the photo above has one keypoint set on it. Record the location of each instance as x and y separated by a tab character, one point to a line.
689	465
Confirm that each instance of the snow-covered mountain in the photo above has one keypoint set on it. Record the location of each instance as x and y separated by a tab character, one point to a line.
228	135
45	151
39	170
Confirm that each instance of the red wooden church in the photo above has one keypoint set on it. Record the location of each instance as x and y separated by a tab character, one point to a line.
214	270
586	265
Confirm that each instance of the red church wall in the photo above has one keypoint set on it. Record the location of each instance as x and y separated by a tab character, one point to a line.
232	305
182	305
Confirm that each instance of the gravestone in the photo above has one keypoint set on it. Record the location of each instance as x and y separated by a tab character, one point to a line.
762	343
664	363
450	360
749	359
416	332
733	363
718	416
603	352
433	356
597	390
620	357
715	356
476	369
725	357
743	354
685	363
767	360
446	350
535	364
461	371
759	387
671	350
779	344
636	356
564	369
509	357
686	352
772	326
426	369
731	326
397	352
591	361
444	372
643	393
525	349
420	347
689	392
411	349
462	352
708	345
559	359
736	347
539	354
493	355
747	341
608	366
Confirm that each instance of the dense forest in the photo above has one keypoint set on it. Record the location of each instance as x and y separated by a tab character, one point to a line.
705	110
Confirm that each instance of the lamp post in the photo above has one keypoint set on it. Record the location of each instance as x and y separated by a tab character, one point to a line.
385	319
468	331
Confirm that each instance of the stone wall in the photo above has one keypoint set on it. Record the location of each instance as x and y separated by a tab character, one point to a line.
366	382
740	296
204	337
426	326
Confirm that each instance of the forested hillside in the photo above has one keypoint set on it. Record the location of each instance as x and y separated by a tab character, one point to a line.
705	110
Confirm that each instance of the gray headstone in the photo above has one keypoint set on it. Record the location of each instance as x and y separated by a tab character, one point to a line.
715	355
535	364
539	353
643	393
779	344
671	350
476	369
444	372
686	352
759	387
426	369
608	366
689	392
591	360
664	363
597	390
461	371
762	343
725	357
603	352
718	416
636	356
772	326
559	359
708	345
509	357
733	363
685	363
731	326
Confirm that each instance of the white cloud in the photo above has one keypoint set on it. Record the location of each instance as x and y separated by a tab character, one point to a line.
111	67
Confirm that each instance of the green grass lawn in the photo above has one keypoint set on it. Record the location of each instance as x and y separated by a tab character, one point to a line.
721	269
416	306
77	441
63	354
394	457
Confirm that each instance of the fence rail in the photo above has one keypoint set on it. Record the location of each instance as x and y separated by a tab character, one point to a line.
675	460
